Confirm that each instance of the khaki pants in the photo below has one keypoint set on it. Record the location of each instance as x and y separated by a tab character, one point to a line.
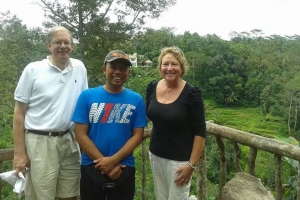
54	167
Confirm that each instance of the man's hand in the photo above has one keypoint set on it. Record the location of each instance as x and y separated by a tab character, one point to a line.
105	164
116	172
21	163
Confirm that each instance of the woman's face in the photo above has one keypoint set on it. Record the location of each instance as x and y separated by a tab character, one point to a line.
170	68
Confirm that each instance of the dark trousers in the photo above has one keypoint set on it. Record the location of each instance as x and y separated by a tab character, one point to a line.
89	190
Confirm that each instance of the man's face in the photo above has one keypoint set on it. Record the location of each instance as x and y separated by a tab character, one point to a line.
116	73
61	47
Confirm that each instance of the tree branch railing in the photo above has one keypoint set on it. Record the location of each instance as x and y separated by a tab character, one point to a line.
5	154
255	142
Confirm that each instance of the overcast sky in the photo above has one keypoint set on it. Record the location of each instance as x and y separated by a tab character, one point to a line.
220	17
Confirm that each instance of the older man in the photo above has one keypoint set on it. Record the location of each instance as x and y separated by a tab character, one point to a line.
45	98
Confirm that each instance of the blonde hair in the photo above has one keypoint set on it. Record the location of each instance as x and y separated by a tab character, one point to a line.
178	54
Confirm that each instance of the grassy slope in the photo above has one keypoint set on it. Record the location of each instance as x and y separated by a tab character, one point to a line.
248	119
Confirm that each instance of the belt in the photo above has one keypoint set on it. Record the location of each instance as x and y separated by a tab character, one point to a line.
60	133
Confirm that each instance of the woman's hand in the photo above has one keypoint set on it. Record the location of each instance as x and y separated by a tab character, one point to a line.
184	175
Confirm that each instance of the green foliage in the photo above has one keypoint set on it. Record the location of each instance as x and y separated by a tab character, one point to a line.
18	47
213	160
149	180
140	77
152	41
291	183
6	140
250	120
103	25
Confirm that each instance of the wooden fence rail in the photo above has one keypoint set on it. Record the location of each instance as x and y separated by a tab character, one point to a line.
5	154
255	142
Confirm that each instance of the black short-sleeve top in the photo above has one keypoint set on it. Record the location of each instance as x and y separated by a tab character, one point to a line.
175	124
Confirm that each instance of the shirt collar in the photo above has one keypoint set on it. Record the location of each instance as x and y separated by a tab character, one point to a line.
68	68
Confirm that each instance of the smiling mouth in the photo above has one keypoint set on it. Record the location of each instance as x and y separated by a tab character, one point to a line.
117	78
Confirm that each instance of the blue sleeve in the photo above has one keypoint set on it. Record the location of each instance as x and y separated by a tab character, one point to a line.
81	112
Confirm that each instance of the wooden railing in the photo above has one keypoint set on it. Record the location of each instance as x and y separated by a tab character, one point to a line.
5	154
255	143
237	137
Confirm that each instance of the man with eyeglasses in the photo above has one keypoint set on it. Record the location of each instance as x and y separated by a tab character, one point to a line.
45	148
109	125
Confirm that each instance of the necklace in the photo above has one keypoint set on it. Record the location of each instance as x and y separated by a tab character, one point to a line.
170	90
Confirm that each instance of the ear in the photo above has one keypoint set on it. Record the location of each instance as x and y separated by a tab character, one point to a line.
104	69
48	46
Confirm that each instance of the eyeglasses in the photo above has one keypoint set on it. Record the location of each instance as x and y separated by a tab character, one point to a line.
60	43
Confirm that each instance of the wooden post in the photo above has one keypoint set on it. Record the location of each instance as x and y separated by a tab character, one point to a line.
251	161
144	181
298	183
6	154
147	134
237	155
278	182
202	177
1	185
221	146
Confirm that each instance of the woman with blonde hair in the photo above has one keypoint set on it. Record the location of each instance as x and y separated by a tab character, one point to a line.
176	110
